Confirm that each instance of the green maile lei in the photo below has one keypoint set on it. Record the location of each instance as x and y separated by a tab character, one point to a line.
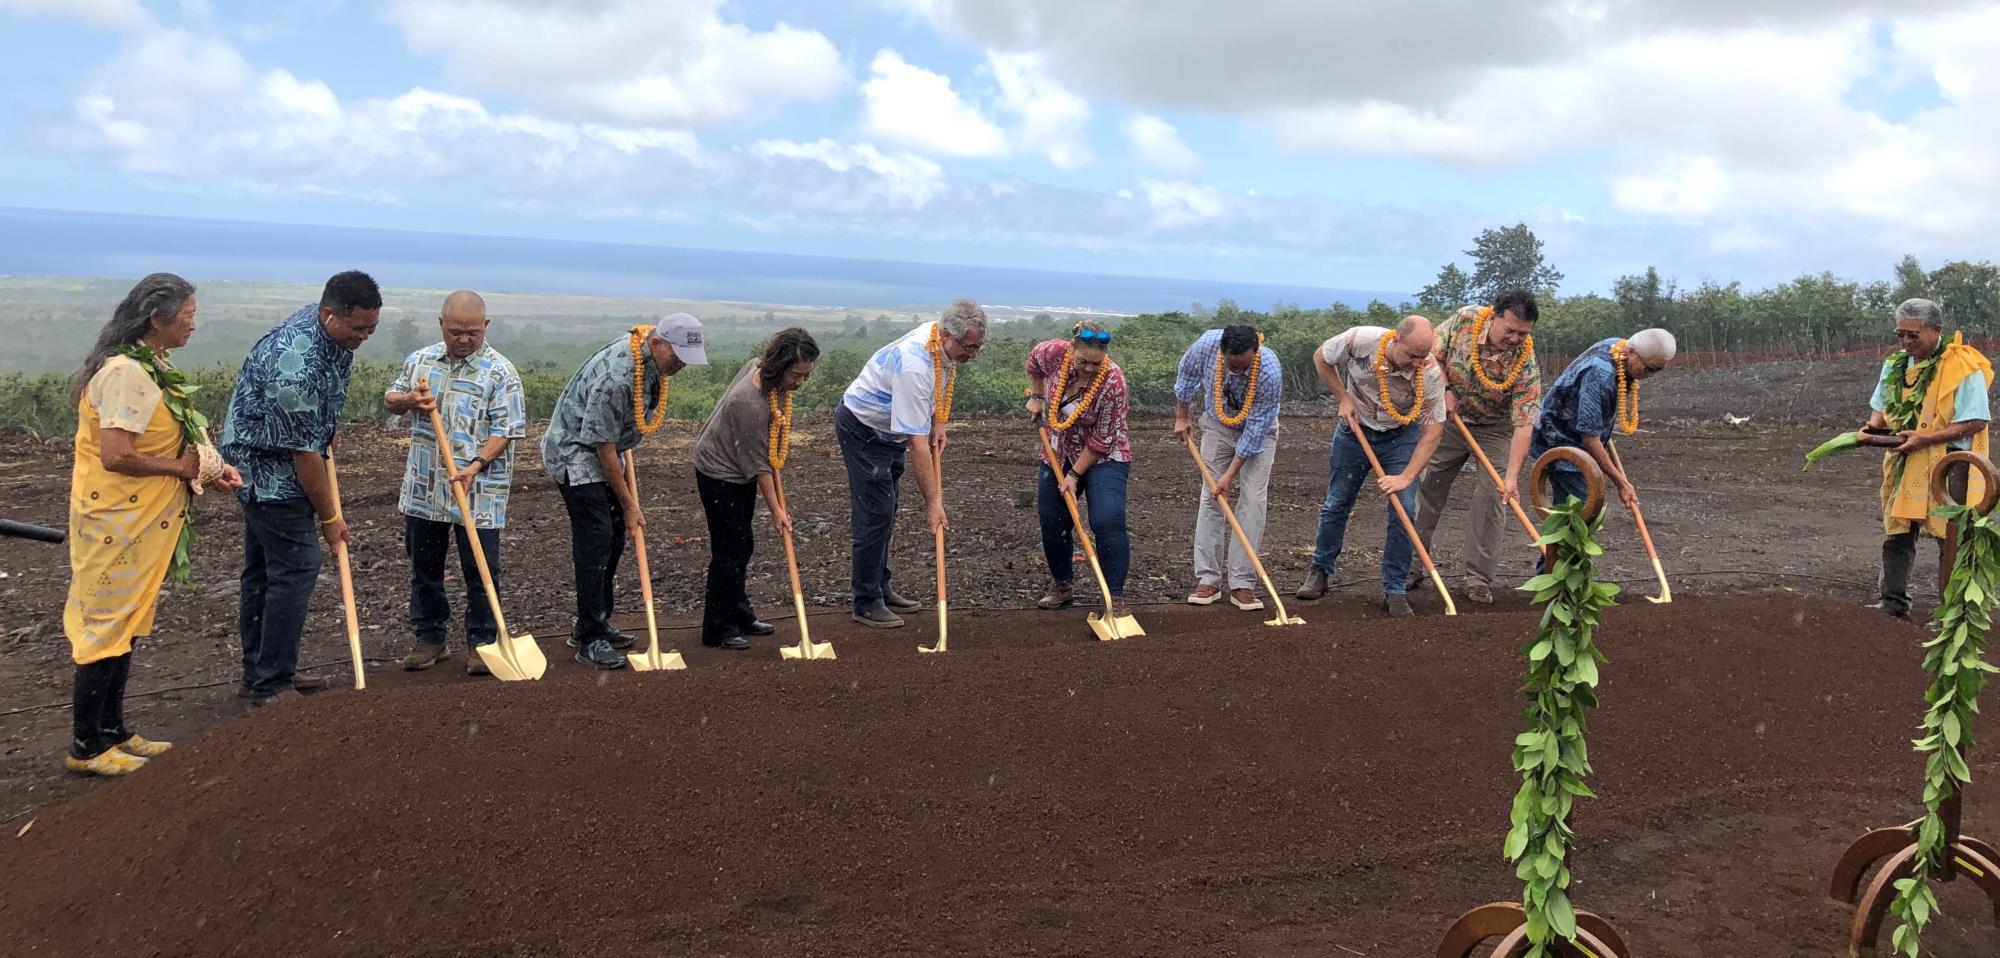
1551	756
1956	662
1902	405
177	395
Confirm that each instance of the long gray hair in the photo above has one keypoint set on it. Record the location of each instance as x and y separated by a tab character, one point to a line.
161	294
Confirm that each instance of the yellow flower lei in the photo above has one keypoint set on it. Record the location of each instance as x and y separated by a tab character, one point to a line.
1089	395
780	442
646	428
1382	380
1249	395
1628	392
1520	362
936	347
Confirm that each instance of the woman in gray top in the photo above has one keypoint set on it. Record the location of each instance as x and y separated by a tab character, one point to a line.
737	457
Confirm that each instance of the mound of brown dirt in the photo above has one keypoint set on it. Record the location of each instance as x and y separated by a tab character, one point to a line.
1217	788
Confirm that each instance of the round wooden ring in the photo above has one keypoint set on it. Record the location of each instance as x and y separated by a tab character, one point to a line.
1940	473
1593	480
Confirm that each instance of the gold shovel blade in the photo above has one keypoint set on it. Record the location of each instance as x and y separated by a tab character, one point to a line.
1285	620
808	649
520	661
656	661
1110	629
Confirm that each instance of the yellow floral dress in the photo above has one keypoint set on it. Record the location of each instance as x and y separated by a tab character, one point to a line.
122	529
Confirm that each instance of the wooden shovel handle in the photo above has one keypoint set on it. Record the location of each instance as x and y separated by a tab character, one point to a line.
1534	535
1230	514
645	570
1409	528
471	528
346	581
1076	522
792	563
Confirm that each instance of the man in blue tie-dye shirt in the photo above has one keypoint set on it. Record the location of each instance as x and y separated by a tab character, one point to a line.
278	432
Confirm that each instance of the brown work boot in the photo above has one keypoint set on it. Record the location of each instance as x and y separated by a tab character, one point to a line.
1059	597
311	683
1397	605
424	655
475	664
1205	594
1245	599
1479	592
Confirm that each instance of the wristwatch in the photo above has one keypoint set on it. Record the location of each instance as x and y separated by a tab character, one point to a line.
483	462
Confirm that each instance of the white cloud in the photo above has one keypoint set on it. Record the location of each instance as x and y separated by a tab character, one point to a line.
629	62
864	176
911	106
1052	120
1176	205
1159	144
115	14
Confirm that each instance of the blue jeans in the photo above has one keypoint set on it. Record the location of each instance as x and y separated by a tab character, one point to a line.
874	483
281	560
1346	473
426	543
1103	486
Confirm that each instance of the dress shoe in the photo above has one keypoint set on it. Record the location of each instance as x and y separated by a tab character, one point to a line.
879	619
900	602
734	643
760	627
1205	594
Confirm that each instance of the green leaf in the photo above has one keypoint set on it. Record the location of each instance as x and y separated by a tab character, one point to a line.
1951	728
1562	920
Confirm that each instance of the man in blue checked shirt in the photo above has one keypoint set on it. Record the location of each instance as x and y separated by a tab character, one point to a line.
280	427
478	394
1239	438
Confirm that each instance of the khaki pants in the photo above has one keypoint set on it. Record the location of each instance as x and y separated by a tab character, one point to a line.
1488	517
1215	544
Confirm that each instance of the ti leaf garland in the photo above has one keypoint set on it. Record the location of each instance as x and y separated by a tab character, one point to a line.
176	394
1551	756
1956	662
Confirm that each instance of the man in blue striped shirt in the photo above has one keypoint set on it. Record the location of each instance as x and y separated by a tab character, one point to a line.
1239	438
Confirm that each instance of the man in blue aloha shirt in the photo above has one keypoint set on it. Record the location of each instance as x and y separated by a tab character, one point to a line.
278	432
1584	406
477	393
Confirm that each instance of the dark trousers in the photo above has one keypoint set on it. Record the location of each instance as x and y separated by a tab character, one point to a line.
730	507
97	706
1102	486
1899	556
426	543
281	560
874	482
596	541
1346	472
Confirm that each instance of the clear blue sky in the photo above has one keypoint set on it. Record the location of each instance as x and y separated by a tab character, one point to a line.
1341	144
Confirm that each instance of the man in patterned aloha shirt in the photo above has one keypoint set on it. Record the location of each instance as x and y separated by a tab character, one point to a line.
484	412
1500	403
279	430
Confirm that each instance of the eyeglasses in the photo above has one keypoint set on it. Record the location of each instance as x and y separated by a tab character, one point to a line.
1094	337
1909	334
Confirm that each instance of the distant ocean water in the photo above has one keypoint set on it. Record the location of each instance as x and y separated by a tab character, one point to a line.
61	243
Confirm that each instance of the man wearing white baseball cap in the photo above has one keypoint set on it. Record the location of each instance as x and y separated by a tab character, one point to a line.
617	397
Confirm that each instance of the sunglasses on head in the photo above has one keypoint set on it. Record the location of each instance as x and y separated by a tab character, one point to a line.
1096	337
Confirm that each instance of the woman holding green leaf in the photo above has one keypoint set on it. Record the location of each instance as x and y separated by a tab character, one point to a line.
141	447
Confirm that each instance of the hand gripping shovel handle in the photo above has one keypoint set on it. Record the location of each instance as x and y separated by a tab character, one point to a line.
652	652
346	582
1409	529
1082	534
471	531
1666	592
1248	549
1534	535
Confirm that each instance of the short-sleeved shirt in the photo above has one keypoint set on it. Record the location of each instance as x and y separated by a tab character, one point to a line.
1101	428
735	443
1582	402
896	391
1968	404
1194	384
1352	356
479	398
1518	405
287	400
124	395
596	407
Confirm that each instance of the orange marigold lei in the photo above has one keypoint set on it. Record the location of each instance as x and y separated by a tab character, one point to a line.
646	428
1628	392
1520	362
1249	394
780	443
1382	380
936	347
1089	395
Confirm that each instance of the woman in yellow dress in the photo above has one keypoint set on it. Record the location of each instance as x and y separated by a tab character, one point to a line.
141	447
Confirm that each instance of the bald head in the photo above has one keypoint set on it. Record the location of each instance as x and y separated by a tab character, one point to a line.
1414	342
463	323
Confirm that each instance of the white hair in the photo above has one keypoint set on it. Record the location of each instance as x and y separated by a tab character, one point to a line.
960	318
1924	310
1655	346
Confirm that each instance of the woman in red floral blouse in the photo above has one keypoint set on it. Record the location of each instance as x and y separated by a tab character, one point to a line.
1079	393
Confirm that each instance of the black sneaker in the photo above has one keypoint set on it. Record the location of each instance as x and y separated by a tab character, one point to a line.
879	618
618	640
760	627
600	654
1886	608
899	602
1398	605
734	643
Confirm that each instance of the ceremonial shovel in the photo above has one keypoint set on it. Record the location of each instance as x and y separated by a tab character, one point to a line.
1666	593
807	648
651	660
1534	535
937	457
511	658
1450	608
1243	539
1107	624
346	581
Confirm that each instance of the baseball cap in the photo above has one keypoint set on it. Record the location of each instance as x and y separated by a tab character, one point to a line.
683	332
